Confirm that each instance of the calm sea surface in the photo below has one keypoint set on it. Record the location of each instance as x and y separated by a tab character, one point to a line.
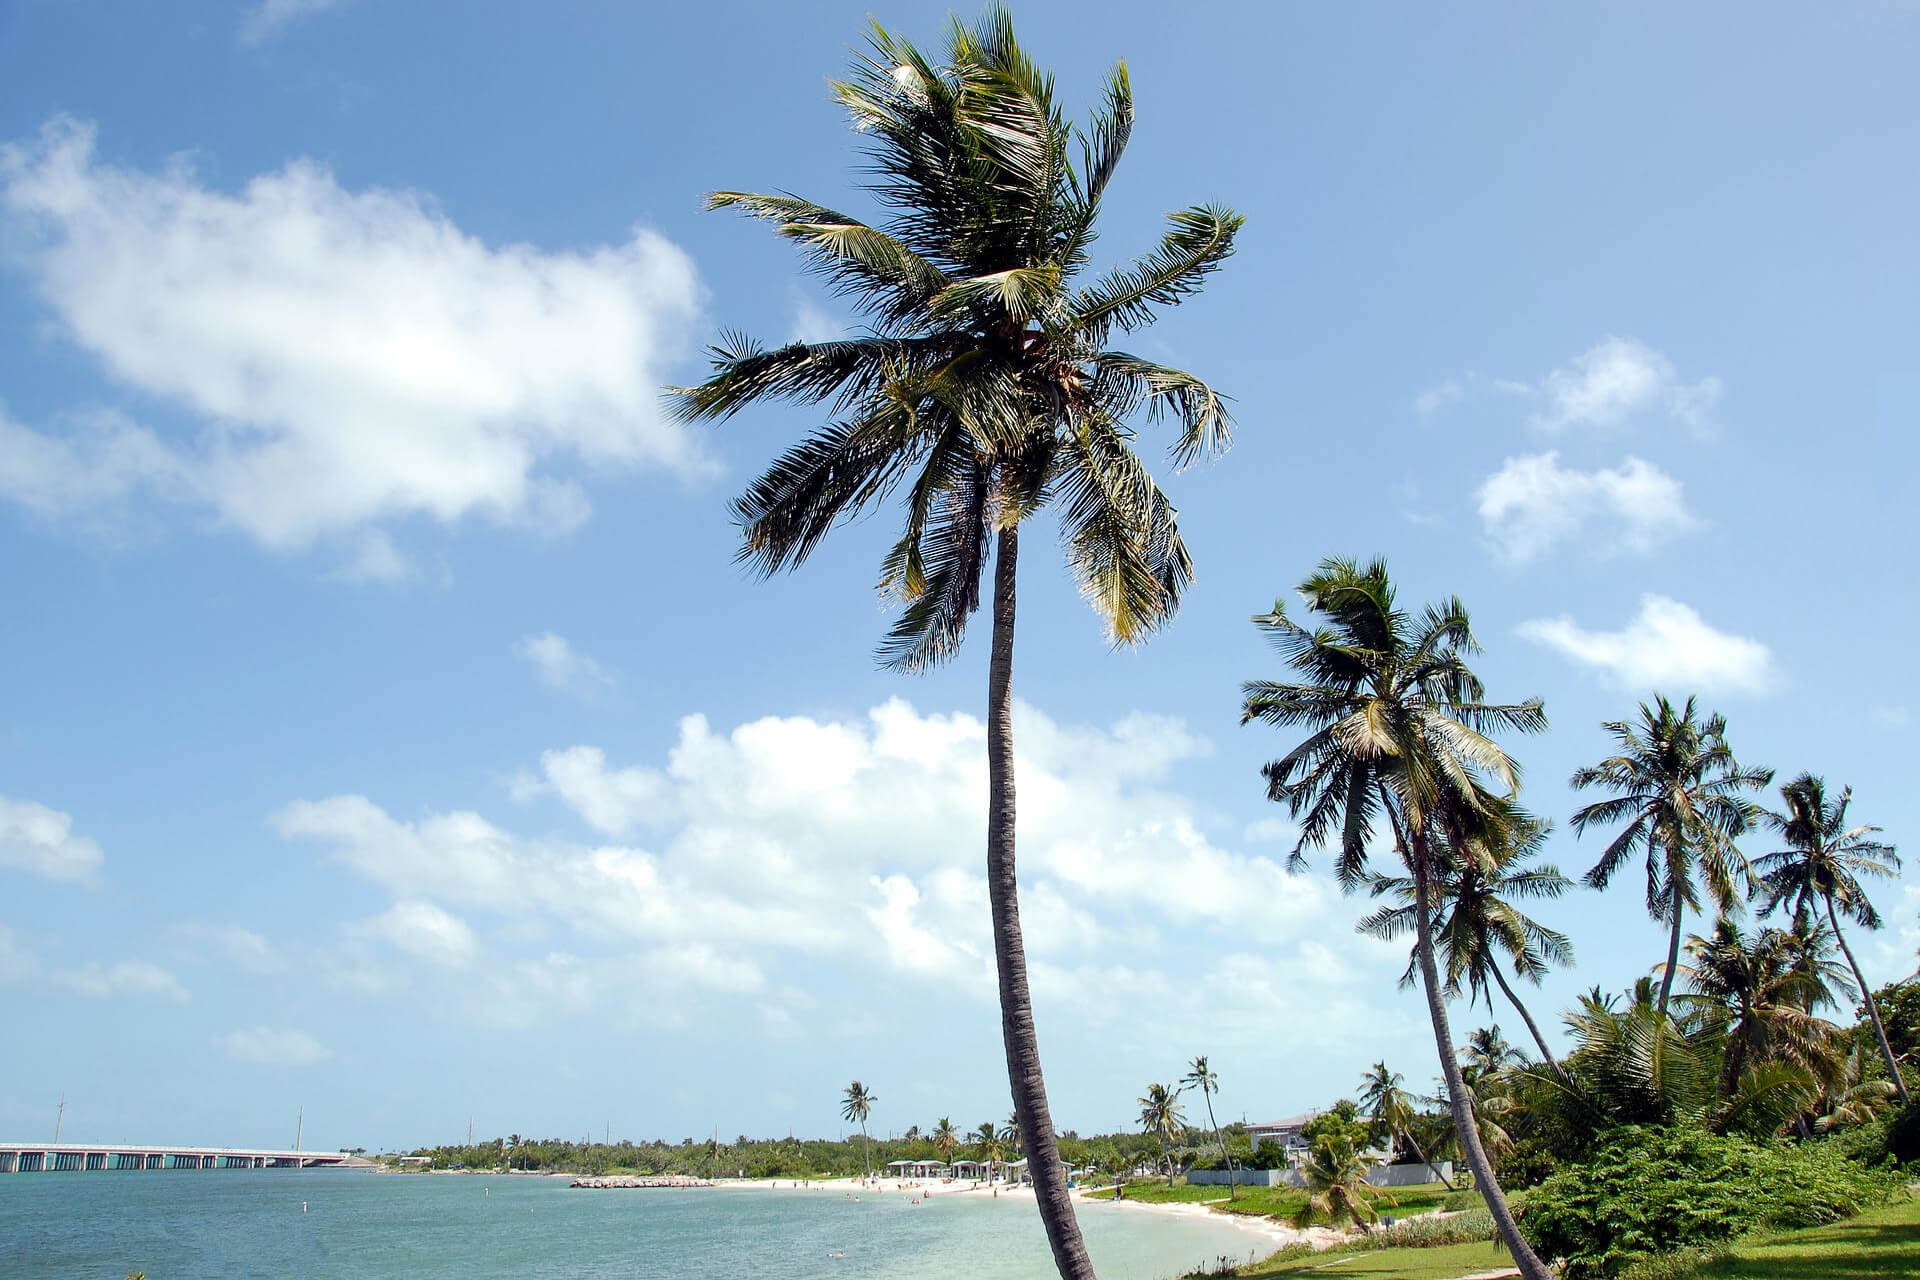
357	1224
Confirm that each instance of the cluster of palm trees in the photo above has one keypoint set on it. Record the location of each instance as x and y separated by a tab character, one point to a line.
987	383
1163	1117
1398	734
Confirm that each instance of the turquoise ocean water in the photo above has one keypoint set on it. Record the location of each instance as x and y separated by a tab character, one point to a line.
221	1223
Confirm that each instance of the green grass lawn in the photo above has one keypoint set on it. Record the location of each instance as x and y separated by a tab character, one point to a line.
1880	1242
1444	1263
1278	1202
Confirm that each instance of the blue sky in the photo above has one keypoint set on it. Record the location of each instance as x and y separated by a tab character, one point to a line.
386	728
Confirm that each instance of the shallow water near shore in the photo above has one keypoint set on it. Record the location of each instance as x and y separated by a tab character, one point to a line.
250	1224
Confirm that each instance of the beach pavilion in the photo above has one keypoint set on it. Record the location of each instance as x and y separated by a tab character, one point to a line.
917	1169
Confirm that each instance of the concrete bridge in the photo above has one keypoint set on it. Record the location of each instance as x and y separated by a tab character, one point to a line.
91	1157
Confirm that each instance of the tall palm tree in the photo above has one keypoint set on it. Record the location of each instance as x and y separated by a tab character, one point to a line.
1477	917
1821	867
1389	1108
983	388
1204	1078
945	1139
1161	1115
1680	791
1397	727
855	1106
1758	995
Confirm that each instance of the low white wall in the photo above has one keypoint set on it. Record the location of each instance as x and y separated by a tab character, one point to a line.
1239	1177
1409	1175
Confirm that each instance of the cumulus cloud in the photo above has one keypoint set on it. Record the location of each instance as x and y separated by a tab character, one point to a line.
233	944
1532	504
424	930
1607	385
349	357
833	842
272	1047
1666	646
41	840
558	665
1618	379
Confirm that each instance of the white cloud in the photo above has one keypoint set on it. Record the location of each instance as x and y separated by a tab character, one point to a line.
1667	646
349	357
424	930
1892	717
41	840
375	560
1438	397
763	844
273	1047
558	665
612	801
20	967
236	946
127	978
1618	379
1533	503
268	18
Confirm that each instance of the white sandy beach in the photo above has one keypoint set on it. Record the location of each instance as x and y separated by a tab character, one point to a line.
1270	1233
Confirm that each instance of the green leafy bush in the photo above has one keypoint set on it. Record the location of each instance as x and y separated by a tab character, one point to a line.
1649	1191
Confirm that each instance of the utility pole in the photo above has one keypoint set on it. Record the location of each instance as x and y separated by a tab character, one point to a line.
469	1130
59	1116
299	1126
609	1138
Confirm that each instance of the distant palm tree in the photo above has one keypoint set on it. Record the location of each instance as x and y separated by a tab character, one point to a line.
1821	867
1477	917
1337	1186
1202	1077
1010	1134
1680	791
857	1106
1488	1053
945	1139
1160	1115
1759	994
983	389
1397	726
1389	1108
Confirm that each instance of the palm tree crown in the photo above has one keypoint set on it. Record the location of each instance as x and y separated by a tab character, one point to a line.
983	386
1476	918
1680	792
1821	868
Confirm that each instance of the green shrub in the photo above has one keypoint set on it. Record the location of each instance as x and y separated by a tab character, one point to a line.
1429	1231
1650	1191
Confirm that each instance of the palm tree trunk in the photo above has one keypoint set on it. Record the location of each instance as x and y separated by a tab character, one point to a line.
1873	1013
1009	951
1531	1268
1432	1168
1673	943
1232	1191
866	1150
1526	1017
